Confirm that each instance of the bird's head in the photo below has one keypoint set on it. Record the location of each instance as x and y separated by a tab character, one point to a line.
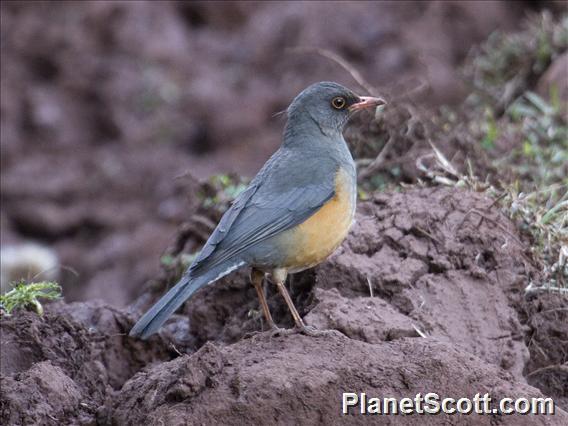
329	105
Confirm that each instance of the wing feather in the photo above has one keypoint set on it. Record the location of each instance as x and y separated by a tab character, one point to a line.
274	202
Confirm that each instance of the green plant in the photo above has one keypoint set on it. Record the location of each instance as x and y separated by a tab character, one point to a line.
542	157
222	189
25	295
503	67
543	215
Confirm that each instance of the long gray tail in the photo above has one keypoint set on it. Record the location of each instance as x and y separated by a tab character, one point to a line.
157	315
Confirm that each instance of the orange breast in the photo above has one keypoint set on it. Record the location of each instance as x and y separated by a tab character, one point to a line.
315	239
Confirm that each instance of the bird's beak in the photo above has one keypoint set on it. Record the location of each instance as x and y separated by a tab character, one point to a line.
367	102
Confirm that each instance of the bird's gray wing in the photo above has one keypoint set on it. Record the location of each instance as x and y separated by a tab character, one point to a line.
226	222
274	202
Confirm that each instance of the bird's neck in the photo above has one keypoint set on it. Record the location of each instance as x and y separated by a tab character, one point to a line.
307	139
305	131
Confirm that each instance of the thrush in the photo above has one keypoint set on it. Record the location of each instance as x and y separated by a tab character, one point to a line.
293	215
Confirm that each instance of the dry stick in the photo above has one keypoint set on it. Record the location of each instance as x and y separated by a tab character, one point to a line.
560	367
420	88
370	286
427	234
377	163
172	346
64	267
500	226
503	195
357	76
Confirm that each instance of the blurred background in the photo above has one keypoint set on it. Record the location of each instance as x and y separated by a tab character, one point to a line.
111	112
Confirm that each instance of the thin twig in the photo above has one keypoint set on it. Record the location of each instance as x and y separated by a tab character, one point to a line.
559	367
64	267
173	347
494	222
427	234
357	76
378	162
420	332
533	289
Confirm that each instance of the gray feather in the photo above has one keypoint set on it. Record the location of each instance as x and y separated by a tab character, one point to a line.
157	315
275	201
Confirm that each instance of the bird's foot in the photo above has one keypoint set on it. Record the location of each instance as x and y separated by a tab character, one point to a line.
273	330
277	331
307	330
311	331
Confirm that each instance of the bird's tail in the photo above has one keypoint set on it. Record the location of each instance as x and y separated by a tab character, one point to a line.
157	315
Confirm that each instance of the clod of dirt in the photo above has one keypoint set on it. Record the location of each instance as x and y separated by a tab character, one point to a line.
45	388
76	352
433	255
546	315
279	380
369	319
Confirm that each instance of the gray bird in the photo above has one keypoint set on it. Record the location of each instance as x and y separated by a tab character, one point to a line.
293	215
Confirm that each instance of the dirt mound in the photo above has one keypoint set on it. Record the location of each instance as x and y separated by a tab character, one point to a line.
437	262
445	259
65	365
279	381
425	255
425	295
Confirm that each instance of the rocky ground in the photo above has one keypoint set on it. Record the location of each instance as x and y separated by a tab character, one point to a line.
427	294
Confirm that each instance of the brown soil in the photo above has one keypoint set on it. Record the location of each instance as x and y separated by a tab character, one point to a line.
546	316
280	381
437	262
66	365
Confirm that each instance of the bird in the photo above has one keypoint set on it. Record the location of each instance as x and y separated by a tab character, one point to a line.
294	213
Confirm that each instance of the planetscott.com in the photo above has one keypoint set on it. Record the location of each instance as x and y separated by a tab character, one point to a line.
432	403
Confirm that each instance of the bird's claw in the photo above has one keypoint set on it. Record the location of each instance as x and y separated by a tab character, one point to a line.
277	331
307	330
311	331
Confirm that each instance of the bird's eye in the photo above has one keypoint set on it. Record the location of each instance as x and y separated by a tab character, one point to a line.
338	102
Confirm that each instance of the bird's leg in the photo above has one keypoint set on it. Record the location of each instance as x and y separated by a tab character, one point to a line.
280	278
256	277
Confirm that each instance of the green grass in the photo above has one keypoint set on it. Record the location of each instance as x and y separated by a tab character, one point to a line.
534	183
543	216
26	295
222	189
504	65
542	158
